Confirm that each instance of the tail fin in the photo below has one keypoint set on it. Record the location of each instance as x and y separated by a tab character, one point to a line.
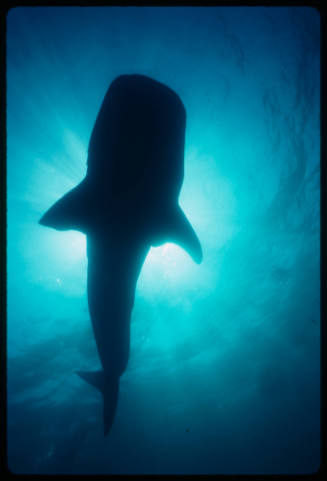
109	390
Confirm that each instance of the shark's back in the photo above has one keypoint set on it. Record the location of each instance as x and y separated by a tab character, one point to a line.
137	144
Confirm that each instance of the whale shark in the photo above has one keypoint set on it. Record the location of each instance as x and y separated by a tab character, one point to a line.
127	202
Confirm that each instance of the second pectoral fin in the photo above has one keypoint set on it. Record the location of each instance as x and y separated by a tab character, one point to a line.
179	230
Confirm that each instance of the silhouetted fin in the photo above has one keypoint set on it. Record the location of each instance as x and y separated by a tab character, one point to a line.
109	390
95	378
180	231
70	211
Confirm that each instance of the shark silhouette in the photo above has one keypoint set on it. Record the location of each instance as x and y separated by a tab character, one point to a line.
127	203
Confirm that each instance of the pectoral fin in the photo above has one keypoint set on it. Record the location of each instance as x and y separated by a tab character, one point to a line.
180	231
70	211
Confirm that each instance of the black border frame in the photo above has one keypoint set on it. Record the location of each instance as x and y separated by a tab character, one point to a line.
320	6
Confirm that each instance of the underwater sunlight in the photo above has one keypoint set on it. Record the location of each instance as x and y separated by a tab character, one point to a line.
224	368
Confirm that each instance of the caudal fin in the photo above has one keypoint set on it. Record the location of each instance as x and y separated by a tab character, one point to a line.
109	390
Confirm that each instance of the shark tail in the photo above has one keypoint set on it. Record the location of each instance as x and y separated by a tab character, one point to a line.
109	390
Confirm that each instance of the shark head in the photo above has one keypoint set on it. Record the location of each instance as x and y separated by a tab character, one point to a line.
137	143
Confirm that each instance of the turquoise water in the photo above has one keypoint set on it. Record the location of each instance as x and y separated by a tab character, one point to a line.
224	369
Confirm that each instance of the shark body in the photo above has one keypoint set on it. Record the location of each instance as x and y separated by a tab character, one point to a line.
127	203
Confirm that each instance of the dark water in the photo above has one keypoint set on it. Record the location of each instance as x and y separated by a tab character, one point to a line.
224	368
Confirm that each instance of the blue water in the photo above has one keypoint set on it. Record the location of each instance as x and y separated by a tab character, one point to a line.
224	369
